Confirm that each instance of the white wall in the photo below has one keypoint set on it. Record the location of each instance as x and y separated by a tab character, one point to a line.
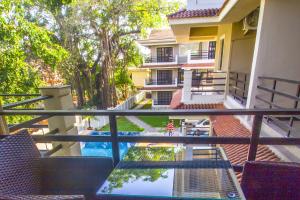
203	4
276	51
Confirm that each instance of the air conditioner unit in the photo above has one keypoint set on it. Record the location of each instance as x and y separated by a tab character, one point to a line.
250	22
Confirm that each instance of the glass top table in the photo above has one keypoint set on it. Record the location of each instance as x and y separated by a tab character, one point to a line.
172	173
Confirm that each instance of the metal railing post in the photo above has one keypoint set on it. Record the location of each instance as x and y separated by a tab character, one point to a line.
256	128
114	137
3	124
291	122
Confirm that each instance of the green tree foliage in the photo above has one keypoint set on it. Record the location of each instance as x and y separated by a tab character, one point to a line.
23	44
100	36
90	42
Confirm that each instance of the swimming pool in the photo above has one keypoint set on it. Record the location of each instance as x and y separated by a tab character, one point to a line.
104	149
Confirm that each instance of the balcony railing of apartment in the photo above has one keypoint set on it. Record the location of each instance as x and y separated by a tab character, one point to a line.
155	82
161	60
200	56
279	93
114	138
238	86
209	82
16	106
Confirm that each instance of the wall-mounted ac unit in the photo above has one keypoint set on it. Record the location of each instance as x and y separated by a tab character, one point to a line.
250	22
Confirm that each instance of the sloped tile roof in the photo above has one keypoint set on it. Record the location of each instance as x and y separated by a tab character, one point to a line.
229	126
211	12
199	106
160	34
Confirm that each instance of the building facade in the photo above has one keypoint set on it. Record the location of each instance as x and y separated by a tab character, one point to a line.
169	63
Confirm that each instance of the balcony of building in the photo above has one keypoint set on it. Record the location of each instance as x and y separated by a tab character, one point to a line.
139	161
160	60
201	57
160	82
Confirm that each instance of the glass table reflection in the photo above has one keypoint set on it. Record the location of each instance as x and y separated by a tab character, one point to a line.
172	173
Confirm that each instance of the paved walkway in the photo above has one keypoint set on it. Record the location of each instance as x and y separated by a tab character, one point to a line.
149	130
140	123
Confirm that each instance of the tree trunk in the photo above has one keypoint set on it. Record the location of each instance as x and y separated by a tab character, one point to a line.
79	90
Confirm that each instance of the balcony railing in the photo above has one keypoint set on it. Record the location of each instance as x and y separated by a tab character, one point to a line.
155	82
166	60
209	82
279	93
238	86
114	138
200	57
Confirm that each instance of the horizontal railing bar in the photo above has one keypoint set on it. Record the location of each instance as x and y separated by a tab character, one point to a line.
31	126
279	93
164	139
279	79
150	139
268	102
281	123
237	80
239	73
209	79
208	85
200	90
28	101
25	109
70	138
185	139
154	112
28	123
237	88
19	95
279	141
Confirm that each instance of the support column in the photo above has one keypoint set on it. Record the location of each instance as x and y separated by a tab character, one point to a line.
3	124
61	100
187	86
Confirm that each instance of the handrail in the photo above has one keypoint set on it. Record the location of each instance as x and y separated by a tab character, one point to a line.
19	95
152	112
279	79
254	140
274	92
28	101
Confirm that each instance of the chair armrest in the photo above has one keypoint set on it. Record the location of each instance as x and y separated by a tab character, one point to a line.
42	197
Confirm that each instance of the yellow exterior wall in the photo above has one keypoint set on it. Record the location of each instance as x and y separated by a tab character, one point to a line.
206	33
224	31
242	49
138	76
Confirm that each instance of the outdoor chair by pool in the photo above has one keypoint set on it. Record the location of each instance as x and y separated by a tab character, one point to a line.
271	180
20	170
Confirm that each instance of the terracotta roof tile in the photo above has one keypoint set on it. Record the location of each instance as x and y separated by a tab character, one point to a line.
229	126
199	106
211	12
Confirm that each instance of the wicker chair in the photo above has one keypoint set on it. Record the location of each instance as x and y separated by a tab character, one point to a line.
271	180
20	171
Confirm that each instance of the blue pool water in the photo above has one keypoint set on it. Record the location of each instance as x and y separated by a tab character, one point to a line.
104	149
